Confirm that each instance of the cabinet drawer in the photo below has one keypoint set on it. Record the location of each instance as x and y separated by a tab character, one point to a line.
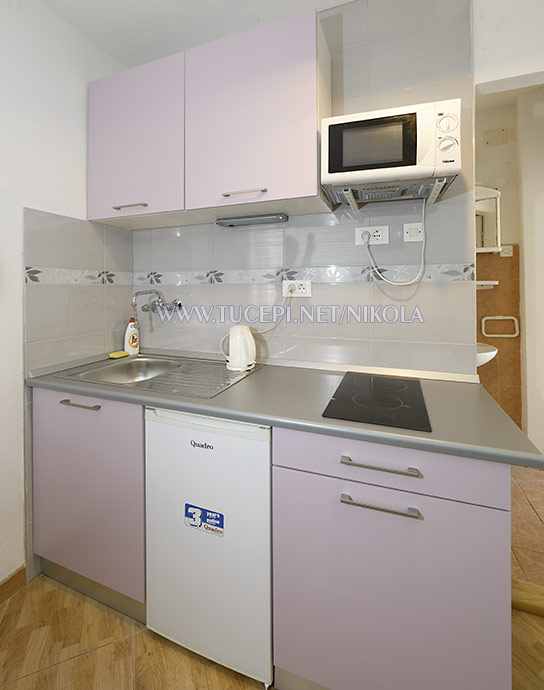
435	474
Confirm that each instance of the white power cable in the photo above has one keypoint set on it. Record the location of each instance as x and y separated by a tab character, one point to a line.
290	291
366	236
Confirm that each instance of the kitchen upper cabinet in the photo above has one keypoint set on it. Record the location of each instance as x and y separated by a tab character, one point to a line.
381	588
88	464
253	114
136	141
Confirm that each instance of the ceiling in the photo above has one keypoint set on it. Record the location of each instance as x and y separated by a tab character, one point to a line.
138	31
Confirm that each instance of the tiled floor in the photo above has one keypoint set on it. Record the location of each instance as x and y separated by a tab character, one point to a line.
528	525
52	638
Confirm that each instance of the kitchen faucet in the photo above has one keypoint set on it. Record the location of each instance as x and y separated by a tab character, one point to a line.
153	306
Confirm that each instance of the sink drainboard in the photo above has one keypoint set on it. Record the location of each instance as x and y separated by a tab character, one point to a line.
193	378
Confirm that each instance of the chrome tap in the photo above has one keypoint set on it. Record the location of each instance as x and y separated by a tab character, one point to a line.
153	306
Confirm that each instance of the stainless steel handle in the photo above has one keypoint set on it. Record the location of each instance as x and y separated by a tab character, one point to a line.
245	191
94	408
409	512
409	472
138	203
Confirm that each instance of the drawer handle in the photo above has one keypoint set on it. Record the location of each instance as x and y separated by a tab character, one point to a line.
93	408
409	512
245	191
410	472
138	203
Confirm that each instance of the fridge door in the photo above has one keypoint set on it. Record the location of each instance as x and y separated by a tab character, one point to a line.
208	538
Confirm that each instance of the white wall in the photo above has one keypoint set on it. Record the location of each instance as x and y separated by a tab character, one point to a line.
497	166
507	39
531	149
45	65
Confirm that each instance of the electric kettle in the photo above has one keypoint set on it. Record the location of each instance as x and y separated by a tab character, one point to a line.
241	349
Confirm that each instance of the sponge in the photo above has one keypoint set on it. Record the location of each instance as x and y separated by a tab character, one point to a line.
118	354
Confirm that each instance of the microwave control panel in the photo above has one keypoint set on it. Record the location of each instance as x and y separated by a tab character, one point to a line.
448	137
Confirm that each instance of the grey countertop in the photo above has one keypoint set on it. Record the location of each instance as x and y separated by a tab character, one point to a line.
465	420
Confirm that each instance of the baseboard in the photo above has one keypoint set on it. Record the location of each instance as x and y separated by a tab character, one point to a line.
115	600
283	680
528	597
12	584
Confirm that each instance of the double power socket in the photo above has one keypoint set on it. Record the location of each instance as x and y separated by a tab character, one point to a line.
379	234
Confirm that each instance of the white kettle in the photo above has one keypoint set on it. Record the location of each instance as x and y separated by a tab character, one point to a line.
241	350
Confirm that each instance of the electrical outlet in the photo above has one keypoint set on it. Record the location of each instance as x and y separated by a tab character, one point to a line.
507	250
413	232
303	288
379	234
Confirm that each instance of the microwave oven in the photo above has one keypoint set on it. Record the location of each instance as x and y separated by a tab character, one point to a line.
398	153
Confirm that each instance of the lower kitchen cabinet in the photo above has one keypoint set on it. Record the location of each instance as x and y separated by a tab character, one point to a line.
378	588
88	465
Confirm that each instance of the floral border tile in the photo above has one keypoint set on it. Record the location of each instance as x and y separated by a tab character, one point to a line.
76	276
320	274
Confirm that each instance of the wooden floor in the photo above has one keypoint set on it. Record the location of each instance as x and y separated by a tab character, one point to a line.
52	638
528	524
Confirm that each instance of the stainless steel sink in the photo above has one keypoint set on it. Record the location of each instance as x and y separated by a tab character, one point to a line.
184	376
128	370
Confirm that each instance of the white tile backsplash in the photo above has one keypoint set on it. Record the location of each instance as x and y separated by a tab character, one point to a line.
59	241
419	58
447	310
61	311
324	245
118	307
328	350
118	255
69	314
142	244
248	247
186	248
345	26
43	353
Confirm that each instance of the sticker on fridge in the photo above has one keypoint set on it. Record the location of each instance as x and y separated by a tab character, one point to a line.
205	520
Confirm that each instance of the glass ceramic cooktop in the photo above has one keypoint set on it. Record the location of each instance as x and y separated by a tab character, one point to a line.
397	402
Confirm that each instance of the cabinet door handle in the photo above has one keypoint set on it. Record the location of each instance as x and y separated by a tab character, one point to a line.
245	191
93	408
138	203
409	512
409	472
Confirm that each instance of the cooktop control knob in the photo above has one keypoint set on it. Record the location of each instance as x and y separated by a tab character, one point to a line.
447	144
447	123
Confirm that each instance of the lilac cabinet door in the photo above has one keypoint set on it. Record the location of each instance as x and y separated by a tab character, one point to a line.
251	115
136	141
89	488
370	599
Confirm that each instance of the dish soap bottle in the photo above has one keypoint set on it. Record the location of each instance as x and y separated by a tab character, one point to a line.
132	338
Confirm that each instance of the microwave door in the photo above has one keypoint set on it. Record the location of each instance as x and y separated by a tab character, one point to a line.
386	142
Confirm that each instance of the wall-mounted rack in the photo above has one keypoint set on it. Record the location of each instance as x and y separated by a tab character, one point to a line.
486	284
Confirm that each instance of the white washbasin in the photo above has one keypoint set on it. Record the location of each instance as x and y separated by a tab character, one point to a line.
484	353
